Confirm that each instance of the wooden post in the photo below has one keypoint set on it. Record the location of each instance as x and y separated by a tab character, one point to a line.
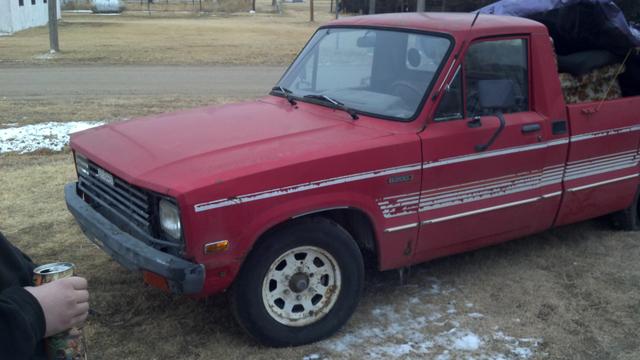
372	6
253	5
421	6
311	10
53	26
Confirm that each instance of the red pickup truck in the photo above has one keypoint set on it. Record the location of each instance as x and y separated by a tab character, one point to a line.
399	138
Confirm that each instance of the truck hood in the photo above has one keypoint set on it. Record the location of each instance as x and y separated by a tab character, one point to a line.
173	153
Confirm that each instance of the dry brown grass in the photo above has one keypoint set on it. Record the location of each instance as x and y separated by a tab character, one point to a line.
575	288
169	38
90	108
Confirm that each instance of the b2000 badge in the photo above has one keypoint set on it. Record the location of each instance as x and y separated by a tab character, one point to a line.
399	179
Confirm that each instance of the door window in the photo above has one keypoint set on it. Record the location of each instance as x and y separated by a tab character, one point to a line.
497	60
503	60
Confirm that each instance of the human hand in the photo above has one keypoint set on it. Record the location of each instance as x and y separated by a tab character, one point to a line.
65	303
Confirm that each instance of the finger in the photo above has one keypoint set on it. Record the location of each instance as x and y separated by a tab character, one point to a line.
80	309
78	321
82	296
78	283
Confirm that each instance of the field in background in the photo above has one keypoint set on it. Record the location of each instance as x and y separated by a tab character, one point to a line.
569	293
171	37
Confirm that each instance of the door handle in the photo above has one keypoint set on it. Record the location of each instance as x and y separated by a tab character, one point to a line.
529	128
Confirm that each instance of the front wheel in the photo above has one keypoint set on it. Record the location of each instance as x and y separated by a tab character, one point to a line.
299	284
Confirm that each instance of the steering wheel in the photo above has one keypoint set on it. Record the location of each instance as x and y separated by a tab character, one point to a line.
406	91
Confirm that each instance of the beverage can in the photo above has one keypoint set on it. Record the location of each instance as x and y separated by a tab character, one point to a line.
68	345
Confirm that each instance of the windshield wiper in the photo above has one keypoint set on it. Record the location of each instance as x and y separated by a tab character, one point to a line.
286	92
336	104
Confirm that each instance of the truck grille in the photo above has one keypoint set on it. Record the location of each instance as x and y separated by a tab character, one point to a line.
116	194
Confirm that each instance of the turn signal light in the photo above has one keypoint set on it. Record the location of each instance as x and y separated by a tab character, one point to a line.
155	280
216	246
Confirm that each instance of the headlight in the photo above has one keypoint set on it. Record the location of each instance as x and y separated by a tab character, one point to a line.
82	165
170	219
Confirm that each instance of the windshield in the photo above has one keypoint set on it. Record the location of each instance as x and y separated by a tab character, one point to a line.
379	72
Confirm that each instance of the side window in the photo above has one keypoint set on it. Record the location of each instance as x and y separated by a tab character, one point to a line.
505	60
451	106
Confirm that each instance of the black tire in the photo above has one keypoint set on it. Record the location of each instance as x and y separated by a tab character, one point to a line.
629	218
246	295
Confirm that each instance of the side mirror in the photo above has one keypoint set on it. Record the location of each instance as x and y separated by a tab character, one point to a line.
497	95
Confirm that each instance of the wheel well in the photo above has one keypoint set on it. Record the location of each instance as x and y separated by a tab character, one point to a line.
355	222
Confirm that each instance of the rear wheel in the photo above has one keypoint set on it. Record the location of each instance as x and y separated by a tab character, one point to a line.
299	284
629	218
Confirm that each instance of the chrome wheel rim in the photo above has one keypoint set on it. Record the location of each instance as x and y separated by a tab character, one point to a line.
301	286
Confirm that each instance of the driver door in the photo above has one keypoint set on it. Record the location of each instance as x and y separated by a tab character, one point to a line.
471	198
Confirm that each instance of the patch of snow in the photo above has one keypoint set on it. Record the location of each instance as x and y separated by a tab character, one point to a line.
468	342
426	322
312	357
515	345
78	11
46	56
522	352
52	135
444	356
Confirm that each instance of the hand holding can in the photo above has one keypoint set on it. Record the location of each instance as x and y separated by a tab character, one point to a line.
65	302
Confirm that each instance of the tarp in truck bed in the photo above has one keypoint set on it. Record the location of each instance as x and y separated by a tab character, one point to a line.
582	25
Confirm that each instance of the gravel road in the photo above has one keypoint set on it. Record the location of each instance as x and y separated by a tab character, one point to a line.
65	81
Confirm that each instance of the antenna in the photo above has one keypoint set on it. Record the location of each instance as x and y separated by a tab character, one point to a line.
475	18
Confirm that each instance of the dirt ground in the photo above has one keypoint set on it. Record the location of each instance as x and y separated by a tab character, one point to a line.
568	293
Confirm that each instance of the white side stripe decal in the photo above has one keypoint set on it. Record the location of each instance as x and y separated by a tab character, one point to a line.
465	193
589	186
404	204
303	187
492	208
607	132
489	154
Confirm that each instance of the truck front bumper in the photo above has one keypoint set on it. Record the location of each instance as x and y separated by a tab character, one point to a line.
182	276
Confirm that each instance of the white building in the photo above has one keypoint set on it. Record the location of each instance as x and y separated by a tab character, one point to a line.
16	15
